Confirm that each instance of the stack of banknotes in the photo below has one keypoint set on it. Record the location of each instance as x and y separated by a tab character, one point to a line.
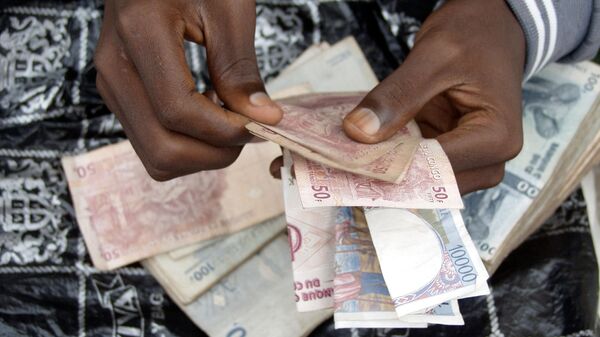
561	125
380	267
375	234
403	256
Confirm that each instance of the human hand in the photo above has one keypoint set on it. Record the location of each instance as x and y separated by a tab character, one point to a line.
462	84
144	79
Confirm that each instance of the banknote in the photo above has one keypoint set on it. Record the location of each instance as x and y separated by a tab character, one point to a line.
590	186
555	102
429	183
362	299
189	249
311	52
340	67
255	300
591	190
189	276
311	239
433	248
125	216
312	127
294	90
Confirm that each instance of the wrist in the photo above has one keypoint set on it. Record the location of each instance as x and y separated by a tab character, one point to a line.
539	41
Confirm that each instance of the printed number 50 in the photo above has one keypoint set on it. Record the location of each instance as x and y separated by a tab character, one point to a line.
321	192
440	193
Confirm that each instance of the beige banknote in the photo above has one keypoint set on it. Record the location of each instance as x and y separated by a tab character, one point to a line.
590	185
312	246
189	249
428	183
125	216
294	90
188	277
311	52
255	300
340	67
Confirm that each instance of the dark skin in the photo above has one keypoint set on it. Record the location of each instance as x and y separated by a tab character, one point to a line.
461	83
144	79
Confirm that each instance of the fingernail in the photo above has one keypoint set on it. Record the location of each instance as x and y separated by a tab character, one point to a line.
366	120
260	99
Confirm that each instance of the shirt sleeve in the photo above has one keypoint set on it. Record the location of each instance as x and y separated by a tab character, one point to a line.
558	30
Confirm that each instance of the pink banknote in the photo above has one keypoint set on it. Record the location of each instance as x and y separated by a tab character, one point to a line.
312	127
126	216
315	121
428	183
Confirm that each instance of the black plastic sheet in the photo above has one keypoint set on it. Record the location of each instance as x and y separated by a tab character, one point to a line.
49	107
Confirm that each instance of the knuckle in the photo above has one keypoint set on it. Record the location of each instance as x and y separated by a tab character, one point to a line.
396	91
130	18
241	70
101	61
170	115
170	119
514	147
226	156
234	137
233	133
100	86
158	175
124	22
388	101
232	157
453	46
162	160
509	140
495	177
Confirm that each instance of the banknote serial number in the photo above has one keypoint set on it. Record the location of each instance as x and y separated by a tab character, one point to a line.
461	260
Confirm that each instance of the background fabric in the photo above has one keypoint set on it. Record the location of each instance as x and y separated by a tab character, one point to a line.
49	107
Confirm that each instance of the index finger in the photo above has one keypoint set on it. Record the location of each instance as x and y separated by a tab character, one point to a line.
156	51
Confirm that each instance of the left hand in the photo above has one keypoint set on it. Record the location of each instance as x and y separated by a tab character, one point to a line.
462	84
143	77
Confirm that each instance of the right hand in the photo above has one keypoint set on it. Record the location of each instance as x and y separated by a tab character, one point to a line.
144	79
462	84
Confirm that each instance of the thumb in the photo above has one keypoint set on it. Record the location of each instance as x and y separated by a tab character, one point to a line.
399	98
231	58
